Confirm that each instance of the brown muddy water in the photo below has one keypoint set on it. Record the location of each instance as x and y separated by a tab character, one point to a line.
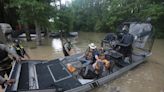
52	48
148	77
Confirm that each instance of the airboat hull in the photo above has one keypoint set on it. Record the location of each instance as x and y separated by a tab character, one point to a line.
52	76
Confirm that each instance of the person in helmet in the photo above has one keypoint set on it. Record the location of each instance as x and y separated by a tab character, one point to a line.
19	49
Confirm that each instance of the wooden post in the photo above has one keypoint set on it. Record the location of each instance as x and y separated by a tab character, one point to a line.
2	36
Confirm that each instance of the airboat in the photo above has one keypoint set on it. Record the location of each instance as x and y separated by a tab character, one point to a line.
53	76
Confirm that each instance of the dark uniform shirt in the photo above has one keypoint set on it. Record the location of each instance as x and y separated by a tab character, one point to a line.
5	61
2	80
3	55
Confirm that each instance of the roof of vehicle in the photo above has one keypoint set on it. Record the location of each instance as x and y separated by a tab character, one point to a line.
5	25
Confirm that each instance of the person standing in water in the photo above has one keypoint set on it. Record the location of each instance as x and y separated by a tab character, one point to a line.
19	49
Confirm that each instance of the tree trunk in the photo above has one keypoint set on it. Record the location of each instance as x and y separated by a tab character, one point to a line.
38	34
28	37
60	3
2	11
46	32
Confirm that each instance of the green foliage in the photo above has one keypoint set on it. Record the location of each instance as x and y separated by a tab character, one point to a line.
31	11
64	19
106	15
90	15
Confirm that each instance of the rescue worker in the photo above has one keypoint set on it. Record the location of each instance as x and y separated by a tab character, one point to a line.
66	44
5	59
126	42
67	47
19	49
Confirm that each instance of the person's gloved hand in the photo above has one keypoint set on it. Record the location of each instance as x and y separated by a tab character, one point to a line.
9	82
18	59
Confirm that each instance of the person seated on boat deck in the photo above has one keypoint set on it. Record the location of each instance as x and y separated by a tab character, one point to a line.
87	59
92	48
19	49
102	65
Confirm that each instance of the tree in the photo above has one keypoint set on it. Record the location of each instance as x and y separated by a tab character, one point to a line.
106	15
64	19
35	12
88	15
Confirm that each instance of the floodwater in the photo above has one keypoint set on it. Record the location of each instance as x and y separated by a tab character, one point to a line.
52	48
148	77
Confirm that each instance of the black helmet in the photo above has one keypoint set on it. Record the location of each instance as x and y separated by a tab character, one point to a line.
16	41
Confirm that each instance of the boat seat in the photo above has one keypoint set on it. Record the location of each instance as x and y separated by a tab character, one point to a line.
116	58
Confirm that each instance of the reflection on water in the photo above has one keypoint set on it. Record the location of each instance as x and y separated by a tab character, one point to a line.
57	44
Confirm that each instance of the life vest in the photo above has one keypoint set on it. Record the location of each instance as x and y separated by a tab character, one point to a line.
105	62
20	50
88	56
70	68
